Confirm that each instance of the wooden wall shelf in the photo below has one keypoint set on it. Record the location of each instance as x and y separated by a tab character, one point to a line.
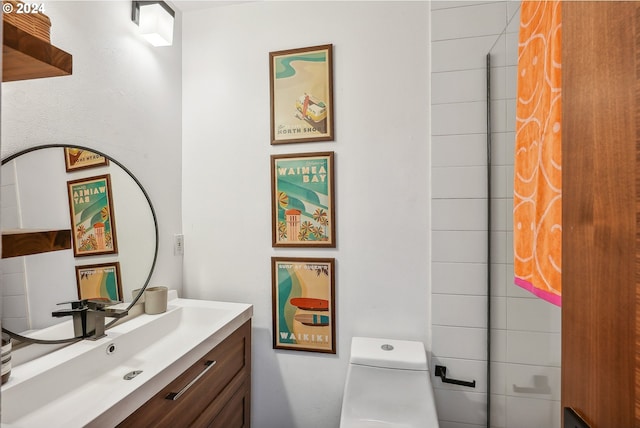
25	56
23	243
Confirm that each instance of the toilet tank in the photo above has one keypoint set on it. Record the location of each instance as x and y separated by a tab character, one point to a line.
387	353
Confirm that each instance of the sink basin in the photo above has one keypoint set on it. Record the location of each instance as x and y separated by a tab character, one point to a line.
84	384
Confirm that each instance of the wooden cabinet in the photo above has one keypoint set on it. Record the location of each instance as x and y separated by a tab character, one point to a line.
601	212
214	392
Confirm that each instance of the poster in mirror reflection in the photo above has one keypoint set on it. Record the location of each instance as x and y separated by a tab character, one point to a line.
99	282
77	159
303	291
92	220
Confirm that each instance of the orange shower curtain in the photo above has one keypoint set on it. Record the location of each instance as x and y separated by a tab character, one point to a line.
537	196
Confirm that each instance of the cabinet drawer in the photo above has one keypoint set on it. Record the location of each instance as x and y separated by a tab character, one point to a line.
182	401
230	411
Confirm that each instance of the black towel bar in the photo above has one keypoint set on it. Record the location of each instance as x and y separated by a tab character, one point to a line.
441	371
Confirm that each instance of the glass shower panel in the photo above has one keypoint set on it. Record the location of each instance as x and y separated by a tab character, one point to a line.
525	331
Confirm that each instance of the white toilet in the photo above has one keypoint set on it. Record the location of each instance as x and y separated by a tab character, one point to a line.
388	385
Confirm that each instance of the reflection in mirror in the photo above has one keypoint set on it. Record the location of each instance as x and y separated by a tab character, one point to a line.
35	197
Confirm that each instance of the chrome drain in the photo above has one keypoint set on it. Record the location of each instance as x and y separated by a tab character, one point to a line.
131	375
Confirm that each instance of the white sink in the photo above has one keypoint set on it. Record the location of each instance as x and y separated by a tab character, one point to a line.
83	384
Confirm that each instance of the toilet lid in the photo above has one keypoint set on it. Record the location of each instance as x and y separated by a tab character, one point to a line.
390	353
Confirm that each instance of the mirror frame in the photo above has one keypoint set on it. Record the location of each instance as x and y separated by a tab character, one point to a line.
26	339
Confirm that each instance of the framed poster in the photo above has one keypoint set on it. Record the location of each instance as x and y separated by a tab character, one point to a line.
100	281
303	291
76	158
302	200
92	222
301	88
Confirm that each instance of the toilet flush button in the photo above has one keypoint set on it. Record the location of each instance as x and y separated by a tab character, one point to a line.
387	347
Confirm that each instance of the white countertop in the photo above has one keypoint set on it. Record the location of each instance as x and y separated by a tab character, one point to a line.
82	384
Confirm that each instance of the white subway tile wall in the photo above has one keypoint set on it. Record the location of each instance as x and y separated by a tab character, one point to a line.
13	298
457	150
525	336
459	54
8	193
458	86
470	21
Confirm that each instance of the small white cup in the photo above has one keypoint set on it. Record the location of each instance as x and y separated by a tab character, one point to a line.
155	300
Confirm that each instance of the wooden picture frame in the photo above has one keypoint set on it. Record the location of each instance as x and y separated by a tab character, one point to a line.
92	216
303	310
301	89
99	282
76	158
302	200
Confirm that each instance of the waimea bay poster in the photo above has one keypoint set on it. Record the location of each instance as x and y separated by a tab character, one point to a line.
303	212
91	210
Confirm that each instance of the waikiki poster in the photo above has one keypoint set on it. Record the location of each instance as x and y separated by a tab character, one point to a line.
303	292
302	200
100	281
301	88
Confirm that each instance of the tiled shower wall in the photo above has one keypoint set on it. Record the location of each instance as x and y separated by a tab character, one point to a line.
525	335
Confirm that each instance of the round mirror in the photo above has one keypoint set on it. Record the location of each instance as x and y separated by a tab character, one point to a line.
105	246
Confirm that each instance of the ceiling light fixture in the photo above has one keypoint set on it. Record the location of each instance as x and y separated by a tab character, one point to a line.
155	19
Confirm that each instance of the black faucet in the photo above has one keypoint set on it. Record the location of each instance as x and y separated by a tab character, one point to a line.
89	316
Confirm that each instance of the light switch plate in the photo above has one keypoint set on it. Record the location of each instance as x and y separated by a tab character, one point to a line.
178	245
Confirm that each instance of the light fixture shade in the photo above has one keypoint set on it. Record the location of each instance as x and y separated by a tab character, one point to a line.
156	22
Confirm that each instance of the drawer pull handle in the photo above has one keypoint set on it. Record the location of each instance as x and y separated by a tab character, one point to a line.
175	395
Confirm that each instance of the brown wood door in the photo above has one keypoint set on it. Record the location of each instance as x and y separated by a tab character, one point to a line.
600	211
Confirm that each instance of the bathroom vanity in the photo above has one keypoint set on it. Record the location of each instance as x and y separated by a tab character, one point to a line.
188	366
197	353
214	392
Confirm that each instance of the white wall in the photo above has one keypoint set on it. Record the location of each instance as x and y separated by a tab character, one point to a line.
525	335
123	98
381	89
